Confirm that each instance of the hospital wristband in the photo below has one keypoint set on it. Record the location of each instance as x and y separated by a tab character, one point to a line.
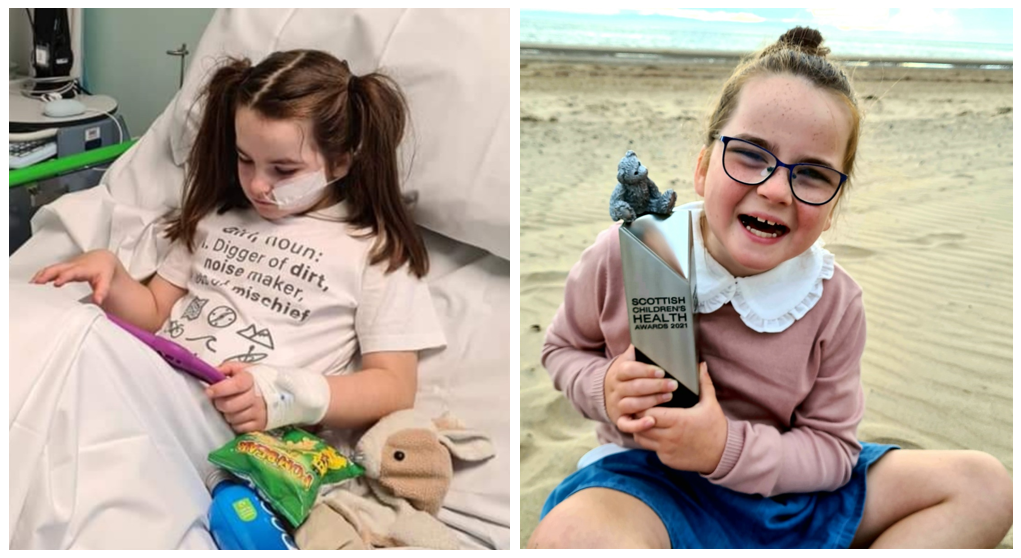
292	396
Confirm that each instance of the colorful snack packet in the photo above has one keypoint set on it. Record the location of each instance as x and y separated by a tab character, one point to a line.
286	466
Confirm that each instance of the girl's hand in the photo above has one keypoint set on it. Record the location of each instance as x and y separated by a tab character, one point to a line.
689	439
96	267
238	399
631	387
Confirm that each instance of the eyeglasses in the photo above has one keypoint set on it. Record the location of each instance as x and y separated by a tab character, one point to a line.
750	164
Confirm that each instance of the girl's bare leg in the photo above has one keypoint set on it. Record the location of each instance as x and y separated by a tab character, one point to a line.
936	499
600	518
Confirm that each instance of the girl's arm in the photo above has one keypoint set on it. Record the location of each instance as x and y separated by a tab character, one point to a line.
114	290
592	324
821	448
574	352
146	306
387	383
259	397
395	319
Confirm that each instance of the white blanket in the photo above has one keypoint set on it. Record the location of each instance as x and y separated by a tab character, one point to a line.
109	444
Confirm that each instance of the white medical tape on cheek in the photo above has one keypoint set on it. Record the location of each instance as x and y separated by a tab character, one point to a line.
292	396
299	191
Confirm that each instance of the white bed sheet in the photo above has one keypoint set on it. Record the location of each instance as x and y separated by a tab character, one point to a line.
105	439
104	454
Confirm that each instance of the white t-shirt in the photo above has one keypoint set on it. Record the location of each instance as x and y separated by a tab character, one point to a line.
296	292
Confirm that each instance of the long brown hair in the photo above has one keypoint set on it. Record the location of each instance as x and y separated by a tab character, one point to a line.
797	52
358	116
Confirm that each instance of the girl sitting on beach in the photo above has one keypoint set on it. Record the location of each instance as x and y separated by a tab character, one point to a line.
769	457
293	250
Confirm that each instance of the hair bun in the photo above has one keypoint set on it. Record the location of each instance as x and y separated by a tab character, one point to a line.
805	39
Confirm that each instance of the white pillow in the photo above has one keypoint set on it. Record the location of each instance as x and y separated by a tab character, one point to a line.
454	68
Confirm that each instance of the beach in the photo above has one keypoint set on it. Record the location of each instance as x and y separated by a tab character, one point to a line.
925	229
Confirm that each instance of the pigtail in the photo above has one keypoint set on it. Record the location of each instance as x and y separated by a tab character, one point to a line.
377	113
210	180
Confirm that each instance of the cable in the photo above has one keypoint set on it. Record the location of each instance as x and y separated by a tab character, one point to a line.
58	94
120	130
53	94
120	134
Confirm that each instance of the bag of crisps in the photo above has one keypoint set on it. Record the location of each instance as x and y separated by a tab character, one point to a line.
286	466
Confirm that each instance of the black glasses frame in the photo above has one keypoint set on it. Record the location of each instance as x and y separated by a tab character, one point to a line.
790	170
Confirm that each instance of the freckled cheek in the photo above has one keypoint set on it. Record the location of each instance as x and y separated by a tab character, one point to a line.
811	219
731	193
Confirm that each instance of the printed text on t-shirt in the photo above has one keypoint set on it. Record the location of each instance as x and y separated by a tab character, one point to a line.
269	270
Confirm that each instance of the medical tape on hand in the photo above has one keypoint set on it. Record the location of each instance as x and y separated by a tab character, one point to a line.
292	396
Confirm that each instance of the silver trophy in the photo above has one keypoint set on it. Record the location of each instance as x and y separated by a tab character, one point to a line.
657	254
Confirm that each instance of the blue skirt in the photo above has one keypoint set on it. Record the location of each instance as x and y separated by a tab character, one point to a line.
700	514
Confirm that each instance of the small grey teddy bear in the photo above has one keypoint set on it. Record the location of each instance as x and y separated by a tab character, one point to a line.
636	194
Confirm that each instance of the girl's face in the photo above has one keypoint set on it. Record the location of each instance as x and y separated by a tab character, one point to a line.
271	151
798	123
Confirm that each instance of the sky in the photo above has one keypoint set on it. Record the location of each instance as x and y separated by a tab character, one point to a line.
967	25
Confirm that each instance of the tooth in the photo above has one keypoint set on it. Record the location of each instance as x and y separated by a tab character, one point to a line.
761	220
761	234
771	223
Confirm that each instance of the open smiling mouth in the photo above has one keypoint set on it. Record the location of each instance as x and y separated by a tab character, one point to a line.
762	228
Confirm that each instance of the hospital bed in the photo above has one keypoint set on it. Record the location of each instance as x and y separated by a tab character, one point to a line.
454	67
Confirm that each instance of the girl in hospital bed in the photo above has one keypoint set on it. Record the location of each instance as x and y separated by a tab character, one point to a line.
769	457
293	251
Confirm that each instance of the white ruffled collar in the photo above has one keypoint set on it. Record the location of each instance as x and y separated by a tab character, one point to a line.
769	302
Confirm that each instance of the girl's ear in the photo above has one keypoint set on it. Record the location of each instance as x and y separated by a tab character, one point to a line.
829	218
700	172
832	206
342	167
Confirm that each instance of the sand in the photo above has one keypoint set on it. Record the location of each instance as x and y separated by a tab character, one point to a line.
926	231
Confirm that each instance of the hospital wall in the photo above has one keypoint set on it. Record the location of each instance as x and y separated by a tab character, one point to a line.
125	53
126	57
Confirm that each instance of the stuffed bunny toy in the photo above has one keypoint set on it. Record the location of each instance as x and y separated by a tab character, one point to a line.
408	468
636	194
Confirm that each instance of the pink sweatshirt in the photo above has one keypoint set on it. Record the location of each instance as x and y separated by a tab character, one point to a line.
793	400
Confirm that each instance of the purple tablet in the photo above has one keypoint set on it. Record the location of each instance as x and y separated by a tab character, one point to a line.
175	355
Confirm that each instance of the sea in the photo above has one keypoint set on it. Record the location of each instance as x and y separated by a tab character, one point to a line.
657	32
